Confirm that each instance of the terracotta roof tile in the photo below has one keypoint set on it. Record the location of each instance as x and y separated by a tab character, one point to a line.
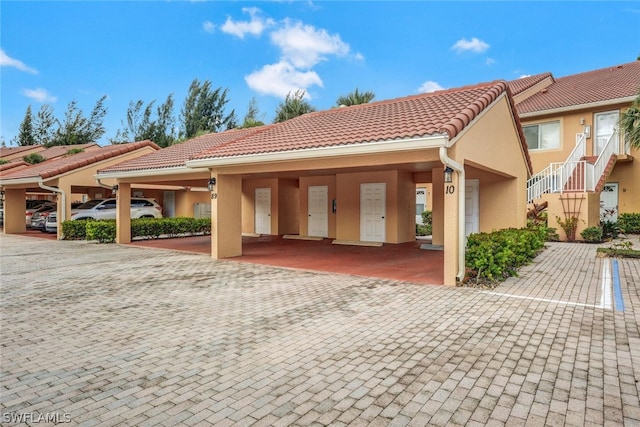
520	85
14	164
437	113
63	164
176	155
605	84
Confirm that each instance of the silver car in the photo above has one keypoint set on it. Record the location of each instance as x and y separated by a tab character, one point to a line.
106	209
40	215
51	223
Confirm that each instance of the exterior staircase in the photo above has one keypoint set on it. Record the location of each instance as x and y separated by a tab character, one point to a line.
578	173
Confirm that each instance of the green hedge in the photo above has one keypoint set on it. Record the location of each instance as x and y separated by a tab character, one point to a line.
150	228
497	255
629	223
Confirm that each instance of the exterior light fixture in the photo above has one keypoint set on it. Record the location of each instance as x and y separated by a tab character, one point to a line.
114	189
2	194
448	175
211	184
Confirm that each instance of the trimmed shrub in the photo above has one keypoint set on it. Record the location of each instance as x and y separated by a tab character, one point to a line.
74	230
592	234
103	231
629	223
497	255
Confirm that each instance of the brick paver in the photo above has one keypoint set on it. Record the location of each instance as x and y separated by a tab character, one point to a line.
119	335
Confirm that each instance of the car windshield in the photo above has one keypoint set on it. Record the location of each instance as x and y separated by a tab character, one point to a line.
90	204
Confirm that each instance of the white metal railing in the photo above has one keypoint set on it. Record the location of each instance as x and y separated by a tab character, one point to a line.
611	148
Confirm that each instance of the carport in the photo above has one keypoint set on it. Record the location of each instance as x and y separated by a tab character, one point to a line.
348	175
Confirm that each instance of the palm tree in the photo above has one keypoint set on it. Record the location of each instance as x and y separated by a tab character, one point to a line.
630	123
355	98
293	106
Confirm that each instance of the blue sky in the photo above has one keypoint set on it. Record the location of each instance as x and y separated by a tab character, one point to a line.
55	52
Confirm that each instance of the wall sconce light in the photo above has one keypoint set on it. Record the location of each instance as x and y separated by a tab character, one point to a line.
114	189
211	184
2	194
448	175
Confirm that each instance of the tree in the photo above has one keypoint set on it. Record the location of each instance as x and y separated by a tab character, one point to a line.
251	118
294	105
203	110
140	125
77	129
44	125
355	98
26	135
630	123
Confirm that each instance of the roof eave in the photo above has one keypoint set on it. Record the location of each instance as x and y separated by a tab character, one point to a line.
578	107
138	173
20	181
433	141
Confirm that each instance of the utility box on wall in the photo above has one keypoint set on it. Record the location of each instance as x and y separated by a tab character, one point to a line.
202	210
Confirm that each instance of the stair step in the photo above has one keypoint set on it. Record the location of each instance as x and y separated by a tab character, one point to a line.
590	159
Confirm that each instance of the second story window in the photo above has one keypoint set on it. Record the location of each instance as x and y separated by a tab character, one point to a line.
543	136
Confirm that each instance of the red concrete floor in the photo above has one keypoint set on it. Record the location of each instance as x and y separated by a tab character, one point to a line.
405	261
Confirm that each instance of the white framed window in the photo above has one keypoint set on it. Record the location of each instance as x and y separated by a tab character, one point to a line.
542	136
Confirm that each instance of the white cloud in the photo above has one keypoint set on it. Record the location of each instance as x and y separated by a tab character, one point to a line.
281	78
208	26
473	45
429	86
305	46
39	95
7	61
524	76
255	26
489	61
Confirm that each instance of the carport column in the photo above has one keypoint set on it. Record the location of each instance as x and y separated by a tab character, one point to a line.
66	188
14	208
226	216
123	213
451	230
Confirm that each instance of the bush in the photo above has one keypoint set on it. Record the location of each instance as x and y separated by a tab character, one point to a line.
103	231
497	255
426	228
74	230
592	234
610	229
629	223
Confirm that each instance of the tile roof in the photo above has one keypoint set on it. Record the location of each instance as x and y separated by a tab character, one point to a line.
520	85
60	165
61	150
13	164
437	113
606	84
176	155
8	151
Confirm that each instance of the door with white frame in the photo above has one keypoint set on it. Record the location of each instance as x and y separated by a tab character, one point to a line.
373	212
606	125
318	211
609	202
263	211
471	206
169	204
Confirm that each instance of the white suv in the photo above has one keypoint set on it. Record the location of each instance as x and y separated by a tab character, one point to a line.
106	209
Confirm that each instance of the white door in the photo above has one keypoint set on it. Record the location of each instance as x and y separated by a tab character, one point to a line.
318	206
471	206
169	204
263	211
606	124
372	212
421	203
609	202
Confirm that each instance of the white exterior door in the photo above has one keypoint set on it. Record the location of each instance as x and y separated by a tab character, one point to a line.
263	211
606	124
318	205
421	203
609	202
372	212
169	204
471	206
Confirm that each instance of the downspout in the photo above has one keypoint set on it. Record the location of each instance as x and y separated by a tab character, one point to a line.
63	199
461	211
103	185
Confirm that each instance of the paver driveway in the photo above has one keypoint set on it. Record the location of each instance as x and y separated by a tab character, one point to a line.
114	335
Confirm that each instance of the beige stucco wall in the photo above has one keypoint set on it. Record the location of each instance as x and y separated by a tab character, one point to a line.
186	199
248	203
586	207
305	183
288	206
627	175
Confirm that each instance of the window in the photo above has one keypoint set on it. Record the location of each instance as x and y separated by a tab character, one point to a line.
542	136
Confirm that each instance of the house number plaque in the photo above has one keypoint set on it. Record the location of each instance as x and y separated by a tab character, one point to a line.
450	189
214	196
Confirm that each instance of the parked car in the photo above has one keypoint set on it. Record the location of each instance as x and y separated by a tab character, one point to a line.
40	215
51	223
31	207
106	209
